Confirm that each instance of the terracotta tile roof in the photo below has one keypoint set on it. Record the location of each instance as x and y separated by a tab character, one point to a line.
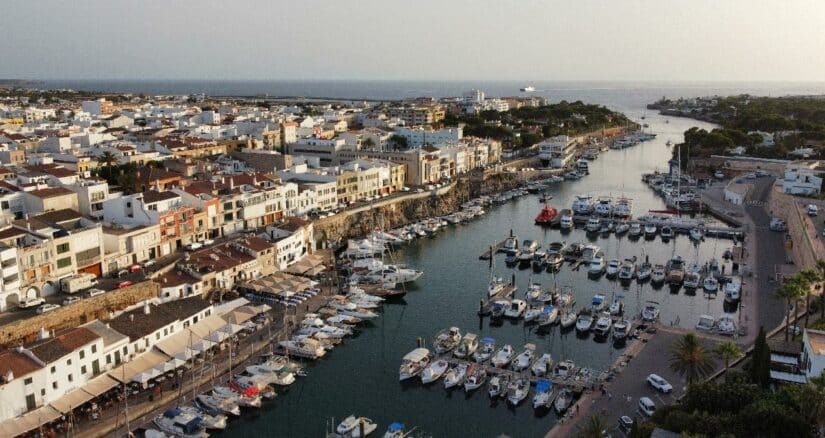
18	363
294	224
52	169
152	196
11	232
255	243
58	216
51	192
52	349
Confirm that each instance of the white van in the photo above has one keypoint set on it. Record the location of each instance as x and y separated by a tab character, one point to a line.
812	210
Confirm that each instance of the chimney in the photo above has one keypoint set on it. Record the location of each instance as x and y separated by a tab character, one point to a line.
232	182
43	334
9	376
146	309
132	317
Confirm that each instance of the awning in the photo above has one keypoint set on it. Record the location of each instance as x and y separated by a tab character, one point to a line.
185	354
177	342
146	376
217	336
785	360
231	328
139	364
209	324
100	385
29	421
203	345
176	363
164	367
71	400
789	377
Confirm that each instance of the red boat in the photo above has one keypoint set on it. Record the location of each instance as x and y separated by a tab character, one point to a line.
546	216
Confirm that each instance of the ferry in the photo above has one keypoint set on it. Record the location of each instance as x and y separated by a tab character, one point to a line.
527	89
546	216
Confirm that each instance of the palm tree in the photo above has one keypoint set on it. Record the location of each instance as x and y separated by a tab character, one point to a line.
810	277
107	159
595	427
727	351
790	292
689	358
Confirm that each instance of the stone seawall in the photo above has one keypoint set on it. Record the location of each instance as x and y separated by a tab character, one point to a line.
806	250
73	315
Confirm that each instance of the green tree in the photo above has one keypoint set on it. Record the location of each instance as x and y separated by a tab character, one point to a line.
107	159
594	427
810	278
368	143
727	352
759	369
791	291
820	265
689	359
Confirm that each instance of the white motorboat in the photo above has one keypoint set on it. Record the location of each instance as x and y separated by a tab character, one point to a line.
497	285
467	346
397	430
644	271
304	347
566	221
350	309
706	323
565	300
693	280
525	358
503	356
658	274
733	289
598	303
695	234
217	422
676	270
627	269
650	230
621	228
455	376
612	269
476	376
533	292
397	274
666	232
635	229
351	427
542	365
549	316
446	340
413	363
616	307
584	322
434	371
726	325
154	433
214	406
259	384
711	285
603	207
593	225
533	312
650	312
498	307
177	423
603	325
498	385
563	400
568	319
486	350
623	208
621	329
582	205
516	309
249	398
544	394
517	391
589	252
596	265
565	368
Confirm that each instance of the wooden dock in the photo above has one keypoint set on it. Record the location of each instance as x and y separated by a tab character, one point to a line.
486	255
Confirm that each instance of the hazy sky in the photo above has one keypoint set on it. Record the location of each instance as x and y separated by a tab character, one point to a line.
699	40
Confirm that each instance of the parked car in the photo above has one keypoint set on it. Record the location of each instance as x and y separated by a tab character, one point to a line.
25	303
149	264
719	174
120	273
123	284
47	308
625	424
777	224
646	406
659	383
194	245
70	300
135	268
812	210
208	242
95	292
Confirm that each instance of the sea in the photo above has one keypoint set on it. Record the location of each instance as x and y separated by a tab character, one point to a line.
361	376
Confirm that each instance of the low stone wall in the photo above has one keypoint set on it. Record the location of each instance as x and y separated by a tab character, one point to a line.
73	315
806	247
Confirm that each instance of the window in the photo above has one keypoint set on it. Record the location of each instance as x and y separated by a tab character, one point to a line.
70	378
54	385
27	381
62	263
69	362
125	350
83	369
42	392
94	348
63	247
53	369
157	336
82	354
108	359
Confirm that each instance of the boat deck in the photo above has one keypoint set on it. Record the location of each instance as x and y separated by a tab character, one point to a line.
577	381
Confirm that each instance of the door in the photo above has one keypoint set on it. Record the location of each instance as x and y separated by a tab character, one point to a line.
30	402
95	367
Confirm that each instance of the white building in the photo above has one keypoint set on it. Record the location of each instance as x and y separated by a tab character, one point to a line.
801	181
813	352
9	278
418	137
557	152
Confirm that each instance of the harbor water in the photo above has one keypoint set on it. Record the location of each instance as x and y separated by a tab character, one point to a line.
361	376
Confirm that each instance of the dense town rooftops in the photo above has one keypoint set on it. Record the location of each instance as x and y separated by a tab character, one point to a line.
51	192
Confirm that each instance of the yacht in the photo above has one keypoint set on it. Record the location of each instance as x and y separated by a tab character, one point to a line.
726	325
304	347
510	244
593	225
413	363
572	175
455	376
517	391
650	312
496	286
542	365
603	207
612	269
582	205
549	316
603	325
711	285
351	427
446	340
621	329
498	385
468	346
486	350
658	274
733	289
525	358
582	167
596	266
476	377
217	422
503	357
544	394
623	208
516	309
650	231
180	424
635	229
434	371
568	319
527	251
554	261
584	322
644	271
693	280
498	307
628	269
216	406
249	399
598	303
566	220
